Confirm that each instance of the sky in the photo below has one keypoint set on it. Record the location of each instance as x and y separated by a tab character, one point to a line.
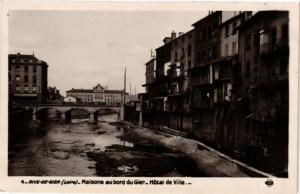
84	48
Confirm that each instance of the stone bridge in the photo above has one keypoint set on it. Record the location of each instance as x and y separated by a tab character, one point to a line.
65	109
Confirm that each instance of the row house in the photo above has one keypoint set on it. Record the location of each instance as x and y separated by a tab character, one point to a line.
264	60
207	52
223	73
178	101
226	82
154	106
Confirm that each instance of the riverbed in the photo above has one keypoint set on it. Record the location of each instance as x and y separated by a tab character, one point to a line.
81	148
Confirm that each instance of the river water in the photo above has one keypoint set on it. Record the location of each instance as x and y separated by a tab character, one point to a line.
56	149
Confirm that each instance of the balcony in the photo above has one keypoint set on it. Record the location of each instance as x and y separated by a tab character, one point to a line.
200	81
280	45
273	80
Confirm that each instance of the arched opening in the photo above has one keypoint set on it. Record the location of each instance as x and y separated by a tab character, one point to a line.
77	115
106	114
48	114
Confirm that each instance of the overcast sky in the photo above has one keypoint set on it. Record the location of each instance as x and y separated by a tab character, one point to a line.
83	48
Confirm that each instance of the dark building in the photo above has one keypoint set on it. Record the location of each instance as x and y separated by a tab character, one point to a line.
53	95
224	70
226	82
264	61
178	101
207	52
27	78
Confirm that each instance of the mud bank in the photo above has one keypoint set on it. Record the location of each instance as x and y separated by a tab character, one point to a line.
207	160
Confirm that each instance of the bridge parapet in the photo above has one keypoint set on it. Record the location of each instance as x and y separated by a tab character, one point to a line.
65	109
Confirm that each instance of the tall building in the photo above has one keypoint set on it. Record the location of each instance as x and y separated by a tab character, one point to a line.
178	102
264	91
224	70
98	94
28	77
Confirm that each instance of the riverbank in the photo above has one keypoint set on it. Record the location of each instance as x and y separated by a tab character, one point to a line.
207	160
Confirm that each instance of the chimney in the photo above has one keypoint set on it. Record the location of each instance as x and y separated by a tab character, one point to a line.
173	35
18	54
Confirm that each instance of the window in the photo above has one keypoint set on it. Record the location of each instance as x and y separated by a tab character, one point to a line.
17	67
248	42
226	50
18	88
215	25
214	52
209	55
234	50
26	78
204	34
34	88
26	88
209	32
189	50
34	79
189	36
263	37
26	68
247	70
189	64
204	54
34	68
227	31
9	68
17	77
234	28
285	32
273	36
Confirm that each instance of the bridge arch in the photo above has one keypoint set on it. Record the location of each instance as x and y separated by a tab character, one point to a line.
46	113
77	112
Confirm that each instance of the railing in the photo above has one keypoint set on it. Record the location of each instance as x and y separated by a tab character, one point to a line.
272	79
273	45
68	104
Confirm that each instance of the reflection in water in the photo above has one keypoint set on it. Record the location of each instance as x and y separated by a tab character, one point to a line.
56	149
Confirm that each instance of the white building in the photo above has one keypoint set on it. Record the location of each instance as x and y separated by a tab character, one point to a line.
98	94
70	99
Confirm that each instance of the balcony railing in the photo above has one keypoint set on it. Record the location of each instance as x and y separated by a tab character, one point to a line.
273	46
272	79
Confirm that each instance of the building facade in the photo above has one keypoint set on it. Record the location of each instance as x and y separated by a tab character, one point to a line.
264	60
28	78
226	82
98	94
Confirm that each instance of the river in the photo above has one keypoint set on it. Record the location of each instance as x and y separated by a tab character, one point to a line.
57	149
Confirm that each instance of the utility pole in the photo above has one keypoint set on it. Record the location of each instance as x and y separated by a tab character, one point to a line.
130	88
122	112
125	86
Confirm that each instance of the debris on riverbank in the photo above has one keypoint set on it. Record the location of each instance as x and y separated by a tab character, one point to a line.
210	161
119	160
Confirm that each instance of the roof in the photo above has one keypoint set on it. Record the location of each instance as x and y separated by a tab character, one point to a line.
149	62
18	57
233	18
92	91
206	17
99	86
259	15
80	91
